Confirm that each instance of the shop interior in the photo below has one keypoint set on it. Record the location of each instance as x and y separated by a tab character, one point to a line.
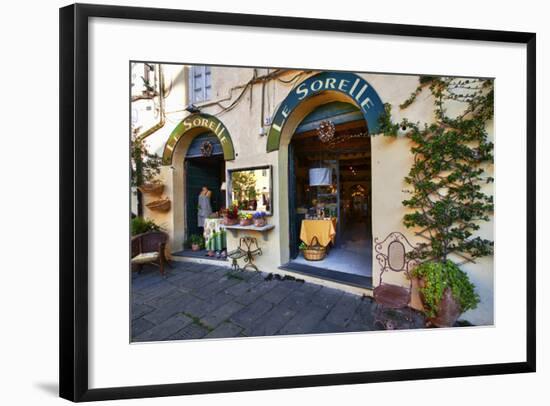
330	178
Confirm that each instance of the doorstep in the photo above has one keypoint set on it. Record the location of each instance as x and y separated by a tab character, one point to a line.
198	257
352	283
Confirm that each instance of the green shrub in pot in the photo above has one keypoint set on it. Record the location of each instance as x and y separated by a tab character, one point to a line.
141	225
436	277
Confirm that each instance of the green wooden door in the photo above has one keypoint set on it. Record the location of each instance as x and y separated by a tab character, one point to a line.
295	218
201	172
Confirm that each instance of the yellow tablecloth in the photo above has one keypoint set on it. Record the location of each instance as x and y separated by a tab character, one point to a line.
324	230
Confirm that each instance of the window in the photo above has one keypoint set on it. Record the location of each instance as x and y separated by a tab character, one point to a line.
200	85
250	189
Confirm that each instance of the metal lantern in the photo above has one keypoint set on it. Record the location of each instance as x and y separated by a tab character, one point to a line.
326	130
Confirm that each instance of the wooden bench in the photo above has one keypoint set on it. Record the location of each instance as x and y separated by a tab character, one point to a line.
149	248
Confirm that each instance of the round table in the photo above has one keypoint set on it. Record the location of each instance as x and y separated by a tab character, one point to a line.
324	230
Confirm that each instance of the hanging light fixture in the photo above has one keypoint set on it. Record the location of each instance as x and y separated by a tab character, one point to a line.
323	176
326	131
320	177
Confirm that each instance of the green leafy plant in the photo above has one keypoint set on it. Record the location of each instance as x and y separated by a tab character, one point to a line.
436	277
196	239
144	166
451	157
302	246
140	225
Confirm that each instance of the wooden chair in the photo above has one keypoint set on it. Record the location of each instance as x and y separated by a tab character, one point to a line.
392	255
149	248
248	249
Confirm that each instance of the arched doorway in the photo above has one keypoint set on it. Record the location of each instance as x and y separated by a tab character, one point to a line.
330	189
204	167
195	155
316	91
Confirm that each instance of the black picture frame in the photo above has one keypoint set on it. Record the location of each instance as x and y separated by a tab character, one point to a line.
74	201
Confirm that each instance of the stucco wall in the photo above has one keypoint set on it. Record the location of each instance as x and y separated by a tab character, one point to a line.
391	161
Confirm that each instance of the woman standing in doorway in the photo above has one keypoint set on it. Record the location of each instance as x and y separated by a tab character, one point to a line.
204	207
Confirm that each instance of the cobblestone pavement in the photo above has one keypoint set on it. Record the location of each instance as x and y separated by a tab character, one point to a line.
205	301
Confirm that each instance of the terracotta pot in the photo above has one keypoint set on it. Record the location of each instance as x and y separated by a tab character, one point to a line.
448	312
230	222
449	308
260	222
195	247
246	222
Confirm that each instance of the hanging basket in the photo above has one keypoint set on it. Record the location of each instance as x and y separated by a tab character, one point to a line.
155	188
162	205
314	251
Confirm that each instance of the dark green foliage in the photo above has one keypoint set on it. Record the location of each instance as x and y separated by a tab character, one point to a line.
141	225
196	239
145	166
438	276
450	160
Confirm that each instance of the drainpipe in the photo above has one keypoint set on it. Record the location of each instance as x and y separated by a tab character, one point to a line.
162	119
145	134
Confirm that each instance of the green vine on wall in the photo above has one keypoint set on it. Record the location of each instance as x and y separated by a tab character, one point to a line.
451	158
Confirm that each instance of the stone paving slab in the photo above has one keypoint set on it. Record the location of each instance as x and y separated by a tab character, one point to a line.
305	321
165	329
221	314
190	332
271	322
141	325
343	311
249	314
196	301
225	330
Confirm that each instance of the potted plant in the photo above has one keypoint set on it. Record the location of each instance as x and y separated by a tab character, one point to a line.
246	218
260	219
196	241
231	215
141	225
445	290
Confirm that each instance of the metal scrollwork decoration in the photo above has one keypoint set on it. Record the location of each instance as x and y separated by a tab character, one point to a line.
326	131
206	148
392	254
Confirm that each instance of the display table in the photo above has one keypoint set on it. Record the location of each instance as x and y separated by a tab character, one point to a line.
215	237
324	230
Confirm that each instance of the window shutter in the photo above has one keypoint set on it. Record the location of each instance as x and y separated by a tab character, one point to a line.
200	85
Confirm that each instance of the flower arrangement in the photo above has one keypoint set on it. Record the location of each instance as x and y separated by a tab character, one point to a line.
260	219
231	215
246	218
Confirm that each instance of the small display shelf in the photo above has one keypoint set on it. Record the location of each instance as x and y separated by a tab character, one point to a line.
234	229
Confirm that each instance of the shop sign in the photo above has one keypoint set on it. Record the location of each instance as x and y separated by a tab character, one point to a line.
205	122
358	90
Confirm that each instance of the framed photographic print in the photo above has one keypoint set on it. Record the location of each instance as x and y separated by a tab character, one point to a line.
256	202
